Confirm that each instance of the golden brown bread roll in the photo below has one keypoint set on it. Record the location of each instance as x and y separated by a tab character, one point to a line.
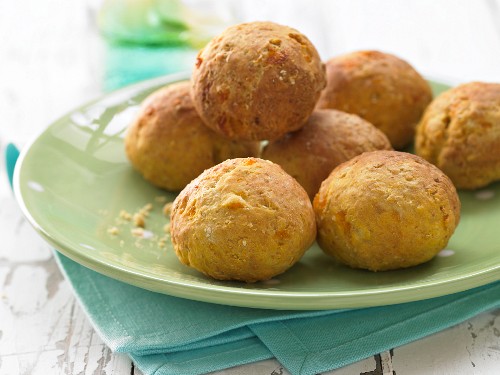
169	144
384	210
244	219
460	134
257	81
379	87
328	139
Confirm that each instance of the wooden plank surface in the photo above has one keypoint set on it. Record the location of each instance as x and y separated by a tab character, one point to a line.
51	61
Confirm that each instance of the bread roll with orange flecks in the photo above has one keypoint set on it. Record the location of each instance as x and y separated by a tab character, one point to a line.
257	81
244	219
460	134
379	87
385	210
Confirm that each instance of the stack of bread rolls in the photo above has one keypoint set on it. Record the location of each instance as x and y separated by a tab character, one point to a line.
271	148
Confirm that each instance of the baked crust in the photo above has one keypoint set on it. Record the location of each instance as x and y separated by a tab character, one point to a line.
169	144
379	87
257	81
328	138
386	210
244	219
460	134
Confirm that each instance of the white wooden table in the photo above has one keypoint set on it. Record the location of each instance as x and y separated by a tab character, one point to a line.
51	61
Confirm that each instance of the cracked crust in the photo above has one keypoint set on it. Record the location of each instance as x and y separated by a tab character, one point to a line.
257	81
169	144
460	134
328	139
386	210
379	87
244	219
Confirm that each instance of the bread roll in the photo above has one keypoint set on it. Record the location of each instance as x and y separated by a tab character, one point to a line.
385	210
257	81
244	219
460	134
379	87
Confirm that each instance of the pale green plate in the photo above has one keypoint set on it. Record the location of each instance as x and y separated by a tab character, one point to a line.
74	179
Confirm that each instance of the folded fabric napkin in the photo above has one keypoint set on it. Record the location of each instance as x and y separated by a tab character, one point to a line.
170	335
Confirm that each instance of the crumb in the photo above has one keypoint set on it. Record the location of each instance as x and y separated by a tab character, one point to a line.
167	208
113	231
125	215
137	232
144	211
139	220
163	241
166	228
160	199
122	243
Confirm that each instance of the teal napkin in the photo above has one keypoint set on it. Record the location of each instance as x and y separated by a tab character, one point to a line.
170	335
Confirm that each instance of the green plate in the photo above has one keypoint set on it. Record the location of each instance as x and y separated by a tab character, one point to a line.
74	180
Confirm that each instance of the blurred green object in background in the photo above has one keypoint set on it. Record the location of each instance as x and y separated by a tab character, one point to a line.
164	22
150	22
127	63
150	38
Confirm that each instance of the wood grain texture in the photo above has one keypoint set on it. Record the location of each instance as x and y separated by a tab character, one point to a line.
51	60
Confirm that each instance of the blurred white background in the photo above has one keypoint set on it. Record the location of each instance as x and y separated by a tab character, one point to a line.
459	39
